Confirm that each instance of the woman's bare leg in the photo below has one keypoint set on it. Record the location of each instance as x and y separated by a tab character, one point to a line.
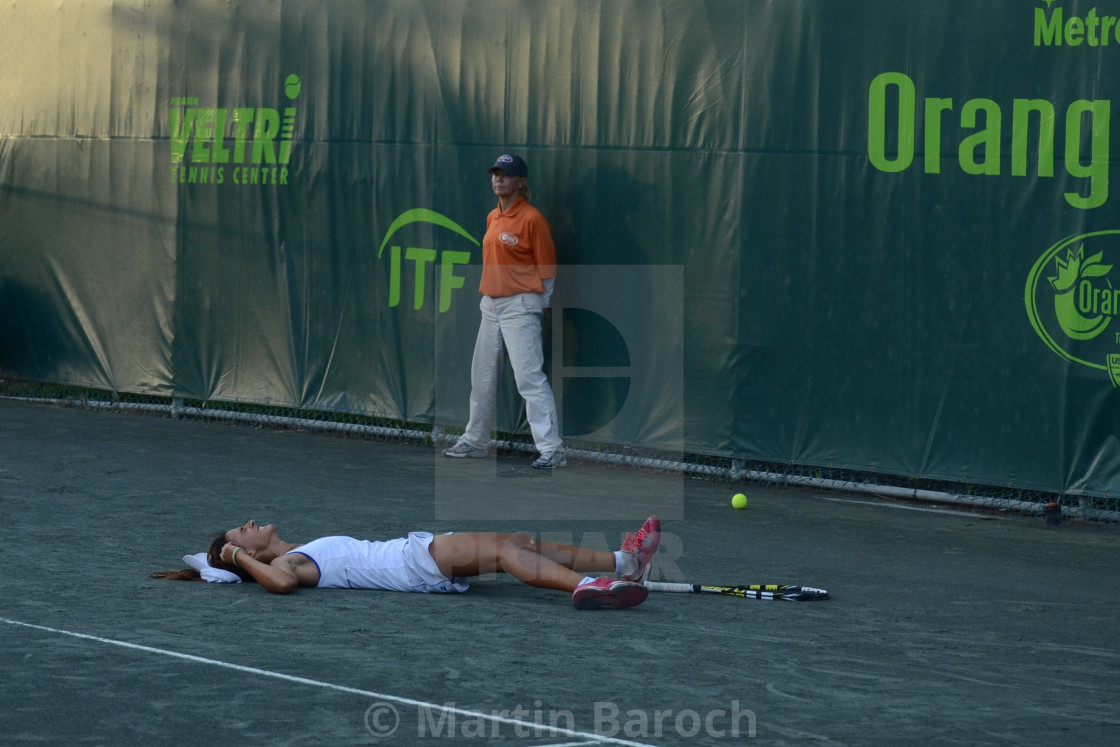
545	564
579	559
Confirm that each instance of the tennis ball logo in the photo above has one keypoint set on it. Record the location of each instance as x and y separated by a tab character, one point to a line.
1071	300
292	87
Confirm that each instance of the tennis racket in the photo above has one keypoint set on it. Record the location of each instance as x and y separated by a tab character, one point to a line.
749	591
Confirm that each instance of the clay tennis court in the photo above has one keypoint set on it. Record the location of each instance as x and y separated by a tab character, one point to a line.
943	626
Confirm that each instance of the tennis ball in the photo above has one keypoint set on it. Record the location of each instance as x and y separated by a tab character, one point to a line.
739	500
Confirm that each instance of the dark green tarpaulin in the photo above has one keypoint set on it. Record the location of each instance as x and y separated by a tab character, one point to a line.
873	235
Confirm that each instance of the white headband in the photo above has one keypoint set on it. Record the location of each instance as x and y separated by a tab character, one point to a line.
209	573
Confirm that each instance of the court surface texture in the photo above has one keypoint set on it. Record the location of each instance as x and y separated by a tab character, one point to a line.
944	625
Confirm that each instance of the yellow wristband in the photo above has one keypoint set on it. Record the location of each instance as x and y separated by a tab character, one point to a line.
233	558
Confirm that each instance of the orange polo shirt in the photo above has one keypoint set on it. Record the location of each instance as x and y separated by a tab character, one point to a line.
517	251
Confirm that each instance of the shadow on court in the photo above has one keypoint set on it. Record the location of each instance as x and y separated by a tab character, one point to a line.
942	627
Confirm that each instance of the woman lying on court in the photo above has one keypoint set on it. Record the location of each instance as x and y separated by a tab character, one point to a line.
426	563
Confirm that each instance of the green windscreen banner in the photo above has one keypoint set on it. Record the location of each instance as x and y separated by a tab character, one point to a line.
875	235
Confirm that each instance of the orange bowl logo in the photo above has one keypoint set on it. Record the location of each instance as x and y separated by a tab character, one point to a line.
1071	301
508	238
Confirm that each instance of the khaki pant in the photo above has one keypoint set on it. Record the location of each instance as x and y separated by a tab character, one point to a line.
512	325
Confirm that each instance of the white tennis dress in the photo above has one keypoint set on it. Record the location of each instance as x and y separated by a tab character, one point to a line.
392	565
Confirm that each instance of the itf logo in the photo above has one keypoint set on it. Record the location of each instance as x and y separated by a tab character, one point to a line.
1072	302
418	259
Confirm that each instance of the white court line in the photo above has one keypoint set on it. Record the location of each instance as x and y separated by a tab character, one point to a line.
949	511
553	731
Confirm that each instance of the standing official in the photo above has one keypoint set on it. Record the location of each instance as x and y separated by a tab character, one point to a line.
518	273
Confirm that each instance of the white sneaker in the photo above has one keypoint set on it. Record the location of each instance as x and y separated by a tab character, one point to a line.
551	460
463	449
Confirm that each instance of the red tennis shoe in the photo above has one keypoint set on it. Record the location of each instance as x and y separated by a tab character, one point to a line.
608	593
642	546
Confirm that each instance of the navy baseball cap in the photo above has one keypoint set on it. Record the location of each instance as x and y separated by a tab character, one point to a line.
510	166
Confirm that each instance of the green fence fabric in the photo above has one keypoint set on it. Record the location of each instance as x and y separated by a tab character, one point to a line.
873	235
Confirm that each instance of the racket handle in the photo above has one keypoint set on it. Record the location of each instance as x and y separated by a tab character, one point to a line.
673	587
